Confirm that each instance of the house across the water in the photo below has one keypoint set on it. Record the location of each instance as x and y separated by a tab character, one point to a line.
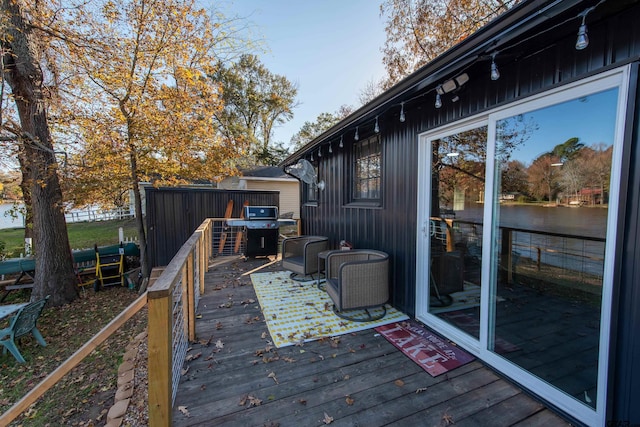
548	297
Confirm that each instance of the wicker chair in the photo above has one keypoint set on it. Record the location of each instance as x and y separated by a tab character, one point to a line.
300	255
358	279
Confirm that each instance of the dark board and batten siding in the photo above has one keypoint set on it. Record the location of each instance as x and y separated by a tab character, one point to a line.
173	214
530	69
541	60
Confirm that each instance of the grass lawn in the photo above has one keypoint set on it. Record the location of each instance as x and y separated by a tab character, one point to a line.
82	235
83	397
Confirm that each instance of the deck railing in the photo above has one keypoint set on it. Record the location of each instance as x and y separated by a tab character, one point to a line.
173	299
578	257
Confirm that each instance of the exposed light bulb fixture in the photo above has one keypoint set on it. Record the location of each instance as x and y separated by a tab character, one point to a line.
341	144
312	157
356	136
438	103
319	152
330	149
495	73
376	128
583	38
402	117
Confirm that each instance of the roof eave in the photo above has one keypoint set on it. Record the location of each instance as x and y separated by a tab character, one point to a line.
520	19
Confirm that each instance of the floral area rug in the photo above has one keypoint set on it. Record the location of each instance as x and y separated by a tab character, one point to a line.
297	312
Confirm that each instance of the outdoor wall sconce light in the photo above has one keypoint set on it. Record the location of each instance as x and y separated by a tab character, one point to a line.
330	149
376	128
319	152
356	136
341	143
438	103
402	117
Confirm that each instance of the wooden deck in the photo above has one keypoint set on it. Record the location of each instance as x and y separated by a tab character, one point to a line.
235	378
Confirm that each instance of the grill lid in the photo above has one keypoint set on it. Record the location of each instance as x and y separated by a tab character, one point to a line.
260	213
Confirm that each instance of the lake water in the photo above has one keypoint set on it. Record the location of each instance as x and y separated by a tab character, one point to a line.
579	221
570	253
92	213
7	221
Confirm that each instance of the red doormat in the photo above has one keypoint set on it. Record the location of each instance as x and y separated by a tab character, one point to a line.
433	353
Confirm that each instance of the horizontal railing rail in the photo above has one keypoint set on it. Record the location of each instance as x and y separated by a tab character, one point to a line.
575	255
74	360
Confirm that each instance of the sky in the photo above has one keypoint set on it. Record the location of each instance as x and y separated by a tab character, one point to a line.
330	49
591	119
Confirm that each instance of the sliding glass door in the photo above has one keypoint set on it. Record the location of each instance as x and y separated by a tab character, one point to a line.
518	222
458	167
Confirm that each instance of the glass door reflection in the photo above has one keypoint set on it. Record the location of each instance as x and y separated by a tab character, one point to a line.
457	183
553	167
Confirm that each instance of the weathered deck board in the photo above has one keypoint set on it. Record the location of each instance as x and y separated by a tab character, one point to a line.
357	379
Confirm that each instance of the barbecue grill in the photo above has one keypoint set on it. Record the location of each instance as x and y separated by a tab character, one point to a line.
260	230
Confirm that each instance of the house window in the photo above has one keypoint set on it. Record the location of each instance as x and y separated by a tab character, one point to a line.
366	170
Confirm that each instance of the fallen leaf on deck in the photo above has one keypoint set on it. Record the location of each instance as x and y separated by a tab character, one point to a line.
350	400
399	383
206	342
219	344
421	389
191	357
327	419
448	419
254	401
184	411
272	375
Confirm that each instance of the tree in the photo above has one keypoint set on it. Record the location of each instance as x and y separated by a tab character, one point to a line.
568	150
371	90
310	130
544	177
597	160
142	97
255	101
22	55
420	30
514	178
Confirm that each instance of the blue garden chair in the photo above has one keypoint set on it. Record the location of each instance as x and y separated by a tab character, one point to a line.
22	323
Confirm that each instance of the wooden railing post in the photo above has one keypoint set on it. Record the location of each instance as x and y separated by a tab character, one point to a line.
160	358
506	257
